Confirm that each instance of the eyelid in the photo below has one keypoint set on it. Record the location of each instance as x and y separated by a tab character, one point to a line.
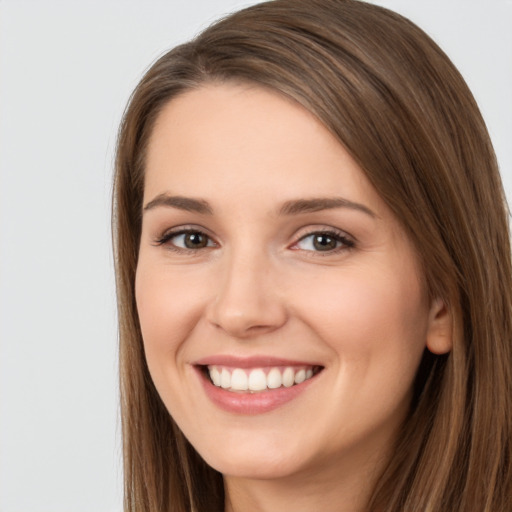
170	233
347	241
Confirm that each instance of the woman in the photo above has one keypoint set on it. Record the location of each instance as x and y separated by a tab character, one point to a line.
313	272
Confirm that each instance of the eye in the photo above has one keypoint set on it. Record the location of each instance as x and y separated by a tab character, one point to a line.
186	239
324	241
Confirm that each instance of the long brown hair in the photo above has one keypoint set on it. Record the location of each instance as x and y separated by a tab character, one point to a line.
399	106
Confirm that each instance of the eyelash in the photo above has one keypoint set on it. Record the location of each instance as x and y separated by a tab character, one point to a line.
169	235
346	243
341	238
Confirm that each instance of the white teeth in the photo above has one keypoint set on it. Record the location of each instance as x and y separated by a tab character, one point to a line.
239	379
274	379
288	377
215	376
257	380
225	379
300	376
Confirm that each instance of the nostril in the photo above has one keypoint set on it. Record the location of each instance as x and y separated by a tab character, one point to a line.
243	306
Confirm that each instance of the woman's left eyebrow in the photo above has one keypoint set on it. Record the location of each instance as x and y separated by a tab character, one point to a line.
299	206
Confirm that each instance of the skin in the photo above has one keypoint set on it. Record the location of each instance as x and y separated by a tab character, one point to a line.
261	287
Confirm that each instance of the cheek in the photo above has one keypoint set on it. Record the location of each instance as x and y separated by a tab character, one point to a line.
169	306
376	330
369	318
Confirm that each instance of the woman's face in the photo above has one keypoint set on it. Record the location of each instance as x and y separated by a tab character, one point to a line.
269	265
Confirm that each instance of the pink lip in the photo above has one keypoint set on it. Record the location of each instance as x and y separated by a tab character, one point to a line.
250	403
248	362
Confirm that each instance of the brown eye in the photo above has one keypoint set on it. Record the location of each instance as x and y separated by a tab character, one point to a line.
195	240
324	242
186	240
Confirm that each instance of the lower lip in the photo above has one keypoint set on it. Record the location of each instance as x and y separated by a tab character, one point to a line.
252	403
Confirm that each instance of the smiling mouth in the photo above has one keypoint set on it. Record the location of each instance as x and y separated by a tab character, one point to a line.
258	380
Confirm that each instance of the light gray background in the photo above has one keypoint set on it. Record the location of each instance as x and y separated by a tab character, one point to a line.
66	71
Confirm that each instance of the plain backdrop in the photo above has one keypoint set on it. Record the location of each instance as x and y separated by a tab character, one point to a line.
66	71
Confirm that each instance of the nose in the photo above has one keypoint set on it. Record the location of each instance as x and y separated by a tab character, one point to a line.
248	301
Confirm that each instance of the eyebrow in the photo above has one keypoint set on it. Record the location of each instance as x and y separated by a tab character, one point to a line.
299	206
293	207
188	204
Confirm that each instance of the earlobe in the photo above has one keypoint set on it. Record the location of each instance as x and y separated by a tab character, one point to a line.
440	328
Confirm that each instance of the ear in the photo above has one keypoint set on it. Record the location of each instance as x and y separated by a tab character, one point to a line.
440	328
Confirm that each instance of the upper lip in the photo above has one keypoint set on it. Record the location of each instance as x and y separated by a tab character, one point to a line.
249	362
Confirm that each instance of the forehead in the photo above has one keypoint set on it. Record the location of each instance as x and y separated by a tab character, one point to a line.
231	140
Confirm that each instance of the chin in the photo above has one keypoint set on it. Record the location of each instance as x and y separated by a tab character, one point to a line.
262	459
254	468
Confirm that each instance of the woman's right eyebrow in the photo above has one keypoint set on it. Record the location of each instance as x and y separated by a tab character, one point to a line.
188	204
